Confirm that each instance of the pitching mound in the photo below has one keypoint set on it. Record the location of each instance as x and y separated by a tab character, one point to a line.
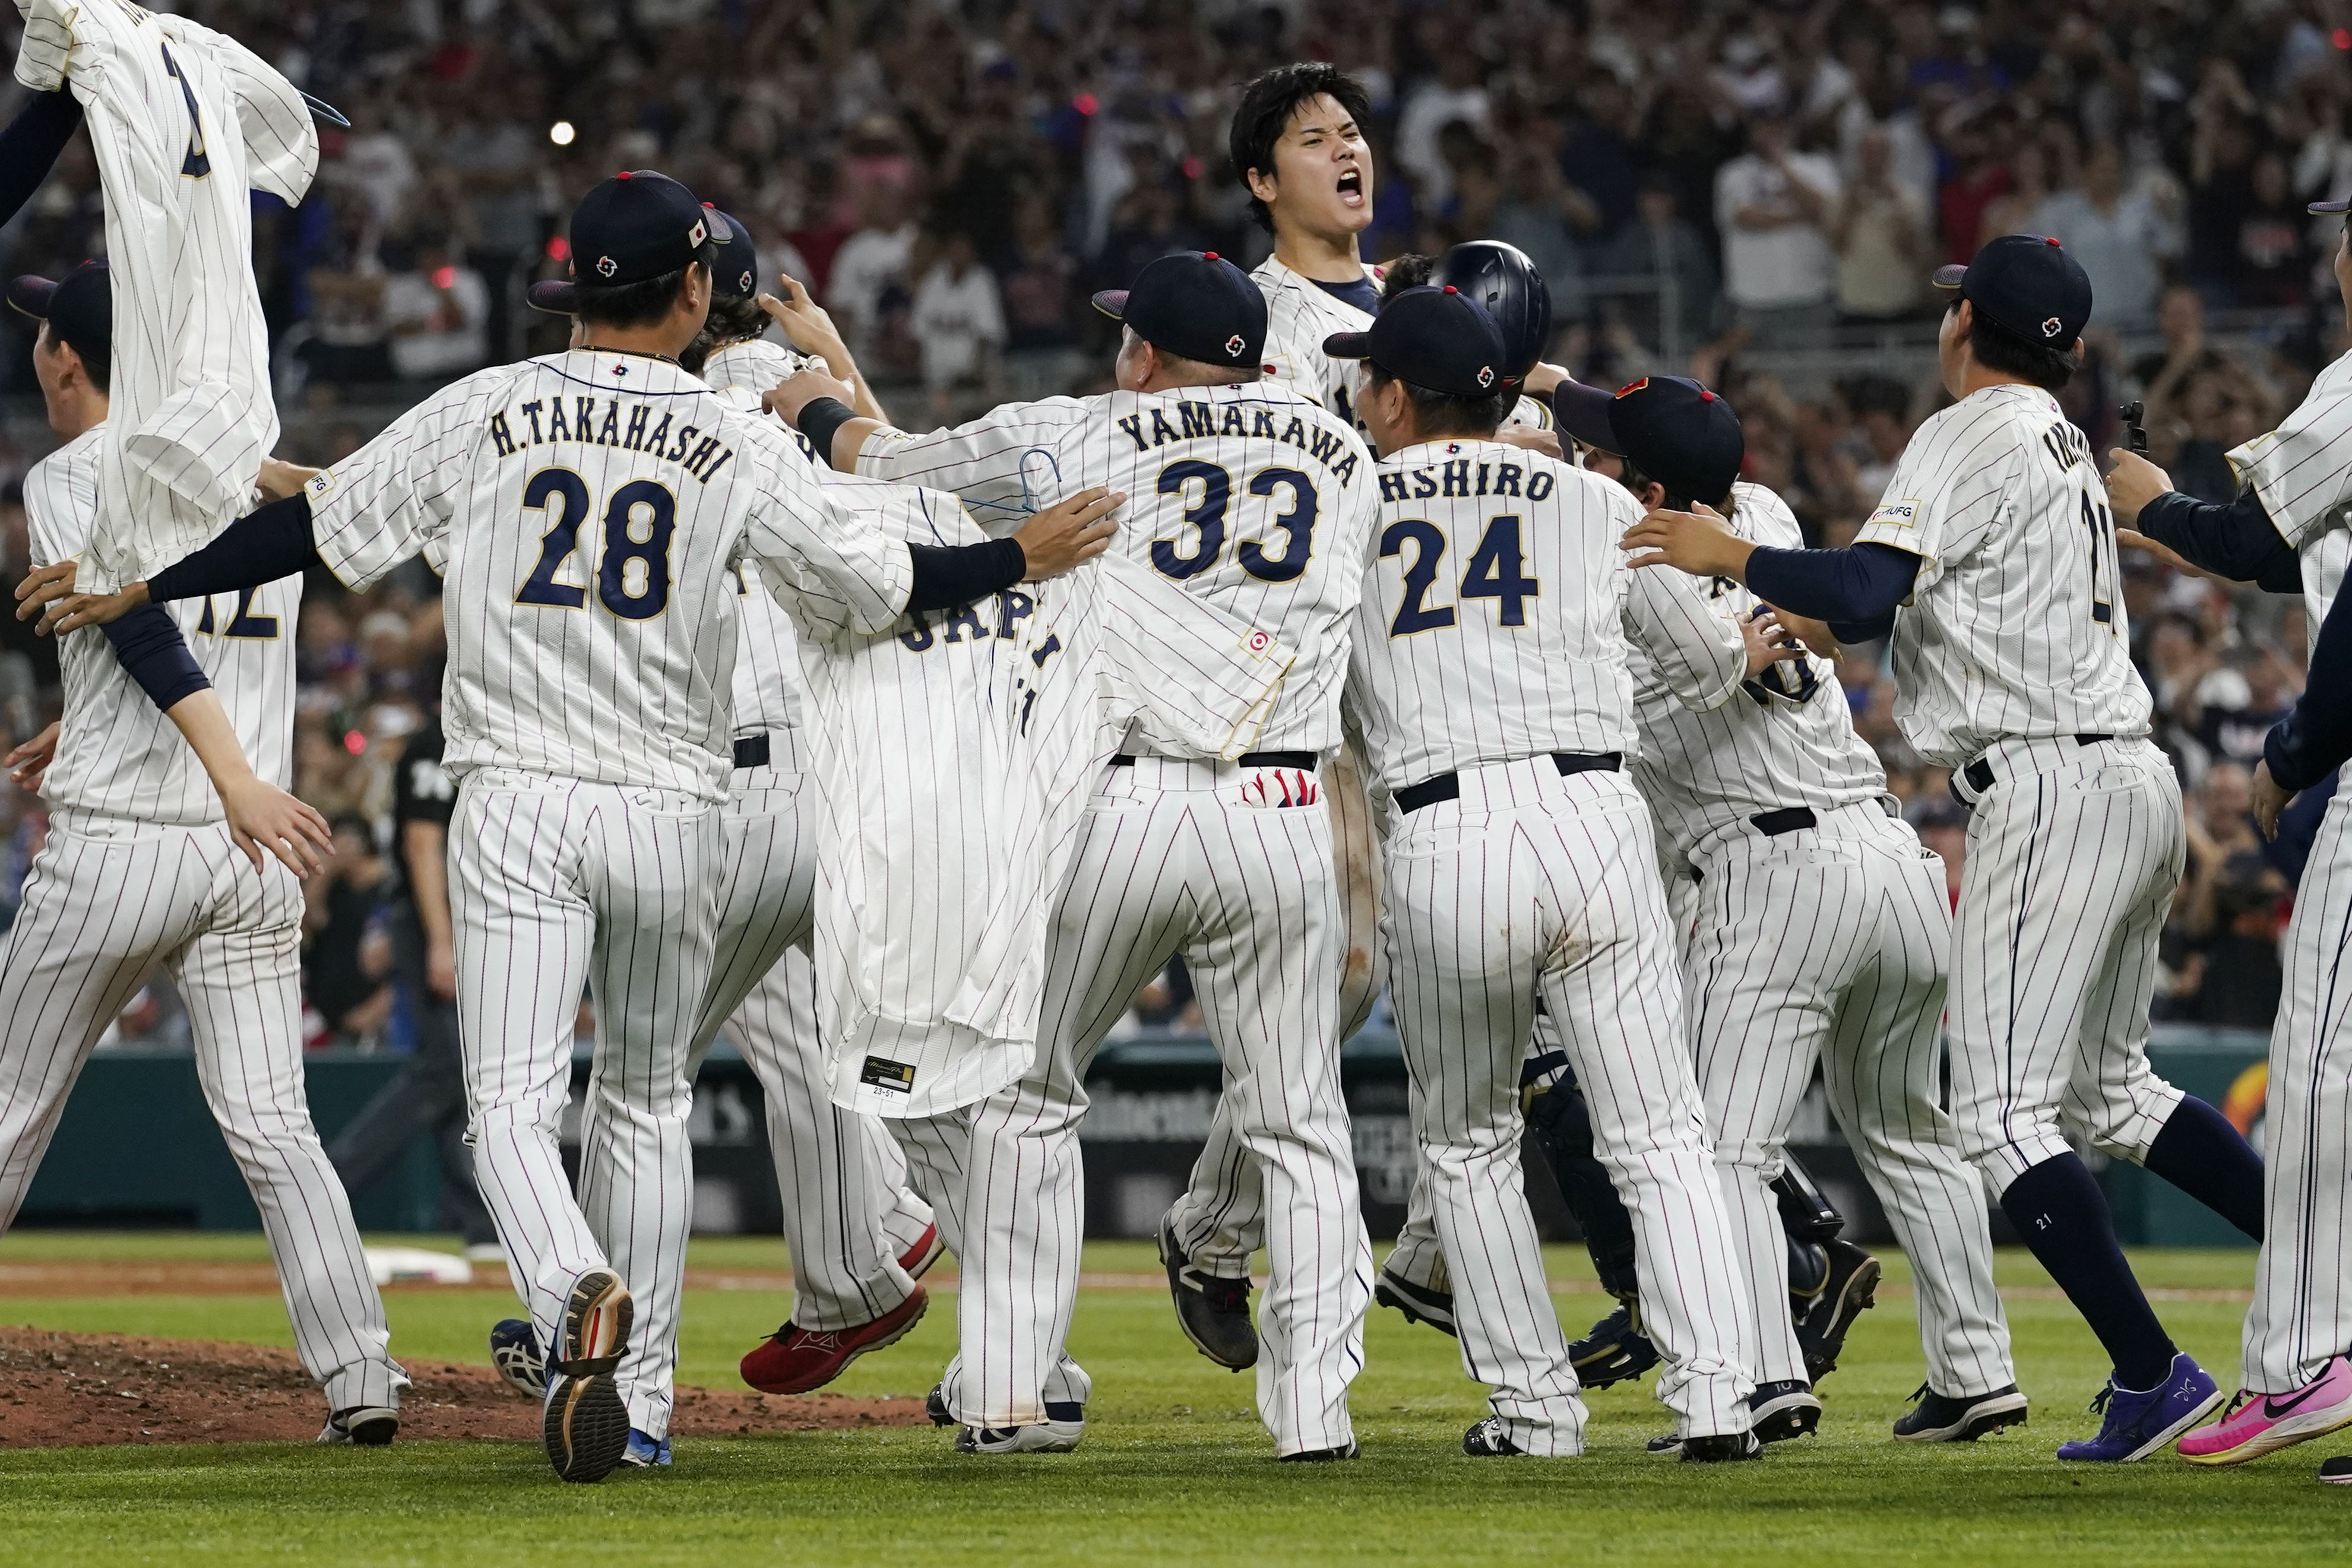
61	1390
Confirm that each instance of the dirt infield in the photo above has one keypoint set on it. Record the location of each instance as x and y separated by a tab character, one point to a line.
63	1390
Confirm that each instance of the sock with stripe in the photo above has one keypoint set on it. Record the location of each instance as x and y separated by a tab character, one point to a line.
2202	1154
2060	1214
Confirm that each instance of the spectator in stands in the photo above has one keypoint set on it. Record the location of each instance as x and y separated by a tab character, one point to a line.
1660	246
1881	407
2222	941
436	312
958	320
1773	205
2119	236
872	263
1879	232
349	337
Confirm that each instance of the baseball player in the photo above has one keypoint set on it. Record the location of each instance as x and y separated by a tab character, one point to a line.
1992	553
145	865
589	509
1521	862
854	1290
1256	500
2285	530
1820	935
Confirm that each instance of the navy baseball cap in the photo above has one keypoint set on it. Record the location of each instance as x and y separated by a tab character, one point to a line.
637	225
1439	339
1195	305
735	275
1670	427
2028	284
78	308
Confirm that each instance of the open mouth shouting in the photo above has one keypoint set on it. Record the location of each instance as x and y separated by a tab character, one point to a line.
1351	187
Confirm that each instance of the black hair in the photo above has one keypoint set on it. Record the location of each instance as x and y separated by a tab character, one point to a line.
1410	271
97	358
354	822
731	322
1631	474
1448	414
643	303
1268	102
1997	348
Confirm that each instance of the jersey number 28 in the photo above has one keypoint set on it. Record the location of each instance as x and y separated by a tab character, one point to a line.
633	579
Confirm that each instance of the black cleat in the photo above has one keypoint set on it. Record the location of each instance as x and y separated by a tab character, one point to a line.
1321	1455
1940	1419
1721	1450
1486	1441
1850	1290
2338	1471
1614	1351
1780	1411
584	1424
1417	1302
935	1406
1212	1312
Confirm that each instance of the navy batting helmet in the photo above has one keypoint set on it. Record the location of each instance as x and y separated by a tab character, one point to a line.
1501	278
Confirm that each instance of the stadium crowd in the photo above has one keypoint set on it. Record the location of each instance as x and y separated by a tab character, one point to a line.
1749	193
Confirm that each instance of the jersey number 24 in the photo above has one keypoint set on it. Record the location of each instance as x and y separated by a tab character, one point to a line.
1496	570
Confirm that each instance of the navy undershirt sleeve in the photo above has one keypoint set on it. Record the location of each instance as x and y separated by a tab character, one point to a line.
948	575
1857	585
30	143
148	645
2235	540
266	544
2316	736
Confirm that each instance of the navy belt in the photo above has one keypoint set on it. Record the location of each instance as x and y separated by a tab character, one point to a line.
1787	820
1306	760
1978	773
1448	786
751	750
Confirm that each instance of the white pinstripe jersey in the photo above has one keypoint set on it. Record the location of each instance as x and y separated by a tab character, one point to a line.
587	510
2303	474
953	756
767	684
1249	497
2015	625
1497	611
184	122
117	756
1786	739
1300	314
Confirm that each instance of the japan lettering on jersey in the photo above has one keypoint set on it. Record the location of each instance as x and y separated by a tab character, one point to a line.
1250	498
1786	739
117	756
766	686
184	122
588	510
953	756
1497	609
2302	472
2015	625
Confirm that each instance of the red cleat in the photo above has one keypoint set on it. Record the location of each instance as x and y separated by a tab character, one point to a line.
795	1359
928	1248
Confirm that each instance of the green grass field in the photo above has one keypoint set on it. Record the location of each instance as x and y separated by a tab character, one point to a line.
1174	1464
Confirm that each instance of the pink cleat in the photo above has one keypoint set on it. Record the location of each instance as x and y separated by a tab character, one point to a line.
2259	1423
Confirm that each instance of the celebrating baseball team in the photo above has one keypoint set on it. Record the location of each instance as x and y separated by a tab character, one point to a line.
1346	646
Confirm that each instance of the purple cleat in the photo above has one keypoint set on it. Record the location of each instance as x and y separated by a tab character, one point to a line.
2137	1425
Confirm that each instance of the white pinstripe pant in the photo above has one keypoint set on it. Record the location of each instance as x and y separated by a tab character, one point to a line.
2073	855
554	884
1829	944
2301	1314
106	902
1173	860
842	1273
1531	883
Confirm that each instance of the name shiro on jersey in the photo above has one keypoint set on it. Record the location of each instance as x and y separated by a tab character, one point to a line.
1454	477
547	421
1203	421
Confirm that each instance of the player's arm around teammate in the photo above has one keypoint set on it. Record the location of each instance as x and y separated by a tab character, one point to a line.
1522	863
2013	667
